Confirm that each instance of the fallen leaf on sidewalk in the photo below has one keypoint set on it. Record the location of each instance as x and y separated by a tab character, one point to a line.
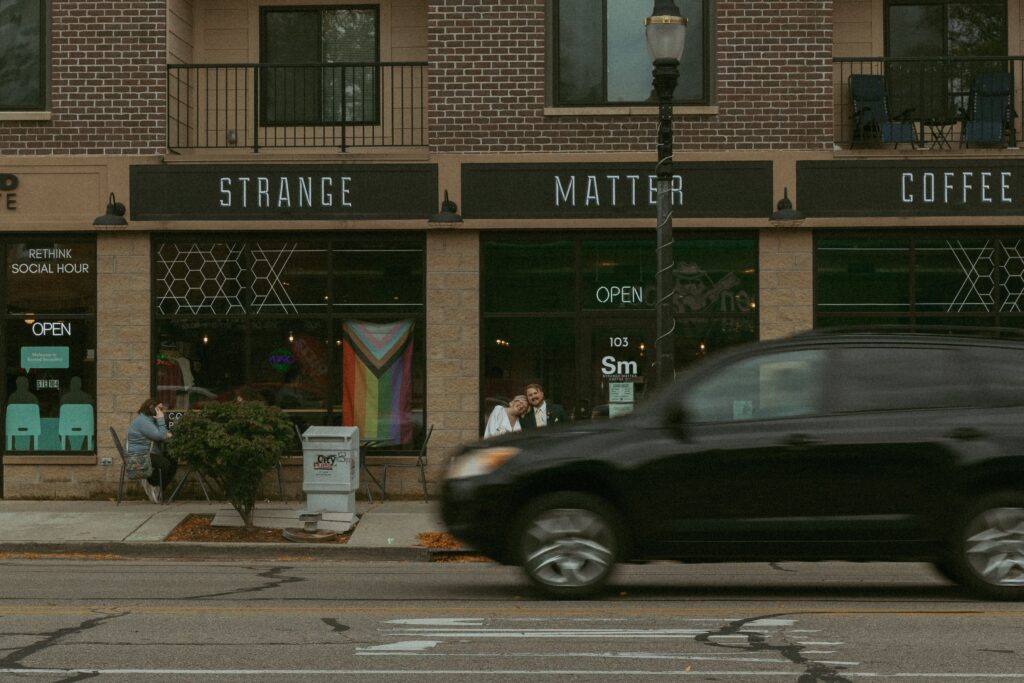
440	541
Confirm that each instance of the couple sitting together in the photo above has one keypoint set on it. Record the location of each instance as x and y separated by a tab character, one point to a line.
524	412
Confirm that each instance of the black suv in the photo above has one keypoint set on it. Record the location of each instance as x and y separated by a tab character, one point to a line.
856	446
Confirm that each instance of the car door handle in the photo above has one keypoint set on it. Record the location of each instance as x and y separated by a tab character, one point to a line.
965	434
800	440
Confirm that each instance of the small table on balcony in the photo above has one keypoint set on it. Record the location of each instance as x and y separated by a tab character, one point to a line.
940	132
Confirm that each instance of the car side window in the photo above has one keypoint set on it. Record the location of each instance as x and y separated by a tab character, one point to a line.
777	385
910	378
1002	371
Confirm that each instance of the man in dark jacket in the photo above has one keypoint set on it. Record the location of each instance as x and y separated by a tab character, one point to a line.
541	413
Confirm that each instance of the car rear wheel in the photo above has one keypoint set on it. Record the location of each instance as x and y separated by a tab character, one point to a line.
568	544
990	562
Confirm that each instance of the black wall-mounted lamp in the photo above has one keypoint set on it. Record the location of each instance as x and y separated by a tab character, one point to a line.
785	210
114	215
449	212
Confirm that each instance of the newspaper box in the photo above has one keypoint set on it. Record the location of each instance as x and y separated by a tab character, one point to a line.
330	468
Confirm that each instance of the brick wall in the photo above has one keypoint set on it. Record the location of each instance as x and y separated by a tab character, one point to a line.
772	85
107	82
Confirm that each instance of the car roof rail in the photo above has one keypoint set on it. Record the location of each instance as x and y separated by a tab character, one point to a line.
988	332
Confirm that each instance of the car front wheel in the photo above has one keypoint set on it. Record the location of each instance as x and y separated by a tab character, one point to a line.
991	547
568	544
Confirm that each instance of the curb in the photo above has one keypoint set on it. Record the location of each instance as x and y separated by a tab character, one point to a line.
222	551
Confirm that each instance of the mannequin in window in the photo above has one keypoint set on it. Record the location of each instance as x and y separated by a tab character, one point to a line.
21	393
75	394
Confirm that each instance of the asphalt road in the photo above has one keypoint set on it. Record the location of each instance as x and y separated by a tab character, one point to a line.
73	620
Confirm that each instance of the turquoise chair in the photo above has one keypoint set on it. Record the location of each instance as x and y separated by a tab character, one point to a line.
76	422
23	421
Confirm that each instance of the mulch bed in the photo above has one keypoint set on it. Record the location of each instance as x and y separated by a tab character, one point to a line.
200	529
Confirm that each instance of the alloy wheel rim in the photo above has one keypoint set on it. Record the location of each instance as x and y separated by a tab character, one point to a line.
568	547
995	546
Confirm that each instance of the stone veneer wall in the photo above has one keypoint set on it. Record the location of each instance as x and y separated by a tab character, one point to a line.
786	282
122	375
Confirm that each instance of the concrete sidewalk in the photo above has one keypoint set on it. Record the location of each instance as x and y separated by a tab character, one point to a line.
385	531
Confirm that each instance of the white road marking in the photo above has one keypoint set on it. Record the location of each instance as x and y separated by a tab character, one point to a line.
437	622
403	646
820	642
737	657
476	673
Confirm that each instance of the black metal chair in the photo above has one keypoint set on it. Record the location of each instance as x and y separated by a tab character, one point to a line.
420	462
124	466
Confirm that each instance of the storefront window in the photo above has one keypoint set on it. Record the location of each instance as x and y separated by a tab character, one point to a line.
933	280
329	330
49	345
577	315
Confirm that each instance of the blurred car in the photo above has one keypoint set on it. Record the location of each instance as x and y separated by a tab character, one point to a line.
823	446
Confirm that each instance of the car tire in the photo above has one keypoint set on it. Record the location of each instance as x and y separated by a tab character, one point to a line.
568	544
989	559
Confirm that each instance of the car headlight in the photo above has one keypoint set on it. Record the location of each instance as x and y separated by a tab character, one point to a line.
479	462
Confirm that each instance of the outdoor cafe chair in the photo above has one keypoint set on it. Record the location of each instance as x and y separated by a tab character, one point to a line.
872	122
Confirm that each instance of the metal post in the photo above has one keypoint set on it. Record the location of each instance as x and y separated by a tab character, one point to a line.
666	74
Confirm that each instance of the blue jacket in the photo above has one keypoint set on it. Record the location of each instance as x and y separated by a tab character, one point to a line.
143	431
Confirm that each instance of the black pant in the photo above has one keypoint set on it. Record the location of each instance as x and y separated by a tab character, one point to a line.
163	469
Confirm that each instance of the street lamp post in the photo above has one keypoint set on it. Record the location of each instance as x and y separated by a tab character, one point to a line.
666	36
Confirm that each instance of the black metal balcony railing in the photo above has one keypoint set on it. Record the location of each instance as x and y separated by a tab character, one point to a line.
932	93
221	106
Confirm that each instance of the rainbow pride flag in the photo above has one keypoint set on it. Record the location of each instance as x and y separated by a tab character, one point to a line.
377	379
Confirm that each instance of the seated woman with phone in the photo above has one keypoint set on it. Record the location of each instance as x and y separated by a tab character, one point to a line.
146	436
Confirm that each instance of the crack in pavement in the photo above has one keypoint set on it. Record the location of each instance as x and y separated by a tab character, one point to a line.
48	640
275	580
756	642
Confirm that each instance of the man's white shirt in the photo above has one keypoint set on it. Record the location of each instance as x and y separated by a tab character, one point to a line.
540	414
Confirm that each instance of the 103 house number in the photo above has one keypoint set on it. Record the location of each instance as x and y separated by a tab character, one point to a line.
618	342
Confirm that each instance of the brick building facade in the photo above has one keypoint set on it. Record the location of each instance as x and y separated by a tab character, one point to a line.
279	179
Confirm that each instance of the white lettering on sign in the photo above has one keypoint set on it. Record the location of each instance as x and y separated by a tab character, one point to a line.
51	329
956	187
611	366
304	192
617	294
597	189
47	265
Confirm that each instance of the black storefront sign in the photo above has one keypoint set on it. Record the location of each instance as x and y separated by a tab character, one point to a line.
699	190
283	192
943	187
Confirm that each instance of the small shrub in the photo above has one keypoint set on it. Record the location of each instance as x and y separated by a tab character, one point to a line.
233	445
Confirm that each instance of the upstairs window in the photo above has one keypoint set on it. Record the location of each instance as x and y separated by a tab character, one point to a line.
937	47
601	53
320	65
22	55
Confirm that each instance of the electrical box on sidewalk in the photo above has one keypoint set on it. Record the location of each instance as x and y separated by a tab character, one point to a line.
330	468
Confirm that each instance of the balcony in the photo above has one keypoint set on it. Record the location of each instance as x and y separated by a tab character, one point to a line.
257	106
934	96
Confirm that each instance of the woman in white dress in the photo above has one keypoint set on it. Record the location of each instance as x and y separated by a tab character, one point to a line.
506	419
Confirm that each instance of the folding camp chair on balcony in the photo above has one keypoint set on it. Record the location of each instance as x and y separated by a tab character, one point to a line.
989	116
872	122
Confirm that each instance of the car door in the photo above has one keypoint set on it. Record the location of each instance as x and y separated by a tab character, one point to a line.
745	466
903	415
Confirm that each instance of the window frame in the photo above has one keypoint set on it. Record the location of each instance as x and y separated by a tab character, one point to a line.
89	318
318	119
44	66
945	22
331	316
554	70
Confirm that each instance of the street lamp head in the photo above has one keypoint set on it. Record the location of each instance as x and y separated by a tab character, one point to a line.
666	32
